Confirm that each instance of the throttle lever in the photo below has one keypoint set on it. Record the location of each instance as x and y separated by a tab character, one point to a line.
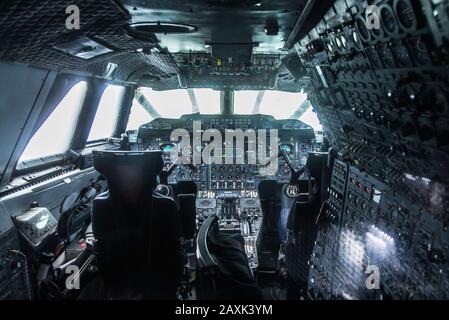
296	174
166	173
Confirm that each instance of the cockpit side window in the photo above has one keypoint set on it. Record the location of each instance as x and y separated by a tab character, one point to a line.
107	114
55	134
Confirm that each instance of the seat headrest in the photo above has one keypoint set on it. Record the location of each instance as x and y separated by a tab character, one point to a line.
129	174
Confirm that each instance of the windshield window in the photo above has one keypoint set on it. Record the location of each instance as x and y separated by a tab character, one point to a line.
279	104
208	101
175	103
244	101
55	134
150	104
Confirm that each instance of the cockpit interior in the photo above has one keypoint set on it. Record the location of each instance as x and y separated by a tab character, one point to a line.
224	150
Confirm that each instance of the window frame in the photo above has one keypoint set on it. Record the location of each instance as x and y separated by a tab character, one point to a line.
74	149
61	158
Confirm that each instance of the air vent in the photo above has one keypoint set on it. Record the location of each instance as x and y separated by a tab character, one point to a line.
378	33
362	29
405	15
143	28
235	3
388	20
83	47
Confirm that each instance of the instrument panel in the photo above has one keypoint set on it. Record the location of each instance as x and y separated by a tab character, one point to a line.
294	137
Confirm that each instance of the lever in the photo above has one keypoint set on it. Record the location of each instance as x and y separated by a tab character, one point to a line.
164	174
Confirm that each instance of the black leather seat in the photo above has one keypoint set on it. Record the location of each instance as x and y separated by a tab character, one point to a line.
137	231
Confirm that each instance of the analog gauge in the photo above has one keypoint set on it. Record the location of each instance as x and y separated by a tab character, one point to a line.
304	149
183	175
287	148
284	170
167	166
195	176
167	147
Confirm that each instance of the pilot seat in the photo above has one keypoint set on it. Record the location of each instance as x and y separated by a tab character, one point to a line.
137	231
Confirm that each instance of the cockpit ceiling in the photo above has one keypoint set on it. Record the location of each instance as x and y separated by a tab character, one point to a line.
245	33
266	24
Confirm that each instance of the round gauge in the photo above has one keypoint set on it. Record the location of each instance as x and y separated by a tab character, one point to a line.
167	166
195	176
167	148
284	170
304	149
286	147
183	175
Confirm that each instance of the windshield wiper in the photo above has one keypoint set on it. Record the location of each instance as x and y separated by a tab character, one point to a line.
195	108
303	107
259	99
146	104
